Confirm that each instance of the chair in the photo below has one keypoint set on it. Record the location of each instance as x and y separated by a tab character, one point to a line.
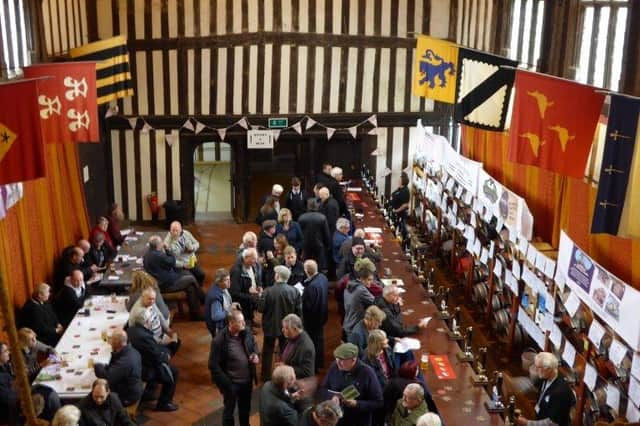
178	297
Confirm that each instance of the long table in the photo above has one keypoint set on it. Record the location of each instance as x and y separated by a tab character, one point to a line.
82	345
459	402
127	261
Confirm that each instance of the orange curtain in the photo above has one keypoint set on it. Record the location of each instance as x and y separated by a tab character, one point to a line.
51	215
556	202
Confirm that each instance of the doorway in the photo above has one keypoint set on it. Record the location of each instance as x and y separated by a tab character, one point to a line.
212	182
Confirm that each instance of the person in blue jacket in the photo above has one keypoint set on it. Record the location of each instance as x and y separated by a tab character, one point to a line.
217	303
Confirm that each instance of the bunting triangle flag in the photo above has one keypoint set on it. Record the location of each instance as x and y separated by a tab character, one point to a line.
199	127
243	123
188	125
310	123
553	123
373	120
617	204
375	152
373	131
330	132
171	139
133	122
276	134
483	89
111	111
146	128
297	127
222	133
354	131
435	68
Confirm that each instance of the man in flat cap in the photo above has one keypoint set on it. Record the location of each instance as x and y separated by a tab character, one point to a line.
354	385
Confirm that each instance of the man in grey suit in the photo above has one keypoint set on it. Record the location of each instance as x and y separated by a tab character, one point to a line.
299	352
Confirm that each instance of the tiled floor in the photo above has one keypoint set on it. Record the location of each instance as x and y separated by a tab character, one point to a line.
196	395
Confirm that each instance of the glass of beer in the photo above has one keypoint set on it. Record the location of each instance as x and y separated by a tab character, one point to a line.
424	362
90	363
104	335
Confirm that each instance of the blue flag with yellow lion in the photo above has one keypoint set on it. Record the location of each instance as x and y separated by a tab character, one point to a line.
435	69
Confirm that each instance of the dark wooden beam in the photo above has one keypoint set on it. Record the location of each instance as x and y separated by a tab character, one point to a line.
246	39
386	119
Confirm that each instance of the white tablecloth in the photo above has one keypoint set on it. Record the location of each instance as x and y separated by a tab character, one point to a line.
82	341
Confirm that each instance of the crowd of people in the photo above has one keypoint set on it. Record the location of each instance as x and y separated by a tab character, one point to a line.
279	284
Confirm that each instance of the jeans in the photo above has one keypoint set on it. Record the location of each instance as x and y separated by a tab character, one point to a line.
267	354
240	393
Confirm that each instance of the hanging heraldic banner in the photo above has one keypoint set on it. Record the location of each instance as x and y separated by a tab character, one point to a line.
610	298
259	139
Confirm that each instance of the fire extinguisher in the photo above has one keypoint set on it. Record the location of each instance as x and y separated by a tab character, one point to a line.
152	199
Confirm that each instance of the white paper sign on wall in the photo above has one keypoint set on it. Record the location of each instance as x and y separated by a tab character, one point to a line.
259	139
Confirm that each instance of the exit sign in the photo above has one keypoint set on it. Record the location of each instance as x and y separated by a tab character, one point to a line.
278	123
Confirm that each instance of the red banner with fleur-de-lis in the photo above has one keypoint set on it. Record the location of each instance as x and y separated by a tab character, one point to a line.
67	103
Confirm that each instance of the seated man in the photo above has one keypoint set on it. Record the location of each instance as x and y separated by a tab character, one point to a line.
183	245
145	313
295	266
277	402
103	407
31	347
38	315
72	259
299	351
156	368
100	255
410	408
70	298
161	264
124	371
347	371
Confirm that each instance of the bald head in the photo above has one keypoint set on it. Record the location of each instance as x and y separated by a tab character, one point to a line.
76	279
175	229
85	246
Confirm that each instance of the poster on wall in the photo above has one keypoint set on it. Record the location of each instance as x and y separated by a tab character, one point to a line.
510	208
463	170
610	298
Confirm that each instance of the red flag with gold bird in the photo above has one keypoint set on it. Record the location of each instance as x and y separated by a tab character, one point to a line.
553	123
21	149
67	99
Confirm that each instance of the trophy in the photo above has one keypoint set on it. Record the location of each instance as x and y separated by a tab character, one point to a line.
454	331
496	406
466	355
444	294
481	378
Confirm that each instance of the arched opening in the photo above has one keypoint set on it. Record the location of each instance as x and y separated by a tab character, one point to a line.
213	195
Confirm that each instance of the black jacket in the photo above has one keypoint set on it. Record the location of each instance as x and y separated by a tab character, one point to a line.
42	319
297	273
110	413
302	356
331	210
9	409
219	357
162	266
65	268
276	408
67	303
392	324
240	285
265	243
315	310
100	257
277	302
124	374
315	230
297	203
153	355
556	402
